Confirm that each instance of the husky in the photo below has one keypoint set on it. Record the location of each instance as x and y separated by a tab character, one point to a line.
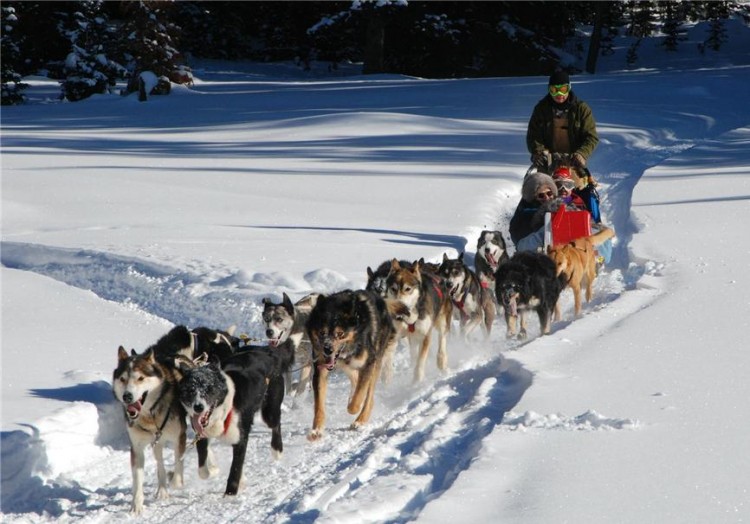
429	307
146	386
352	331
471	301
528	282
285	325
491	253
222	397
376	279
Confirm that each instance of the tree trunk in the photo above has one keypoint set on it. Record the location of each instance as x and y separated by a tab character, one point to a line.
374	44
596	38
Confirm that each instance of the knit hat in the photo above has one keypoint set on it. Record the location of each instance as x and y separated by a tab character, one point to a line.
559	77
562	172
534	183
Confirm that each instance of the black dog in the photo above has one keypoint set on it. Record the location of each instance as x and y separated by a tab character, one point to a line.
528	282
221	400
353	331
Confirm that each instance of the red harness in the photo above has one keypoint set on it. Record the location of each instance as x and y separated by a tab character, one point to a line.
228	421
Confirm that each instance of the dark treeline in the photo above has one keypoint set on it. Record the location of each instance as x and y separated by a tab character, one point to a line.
89	45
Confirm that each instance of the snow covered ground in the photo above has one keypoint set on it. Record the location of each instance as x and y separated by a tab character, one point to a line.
121	219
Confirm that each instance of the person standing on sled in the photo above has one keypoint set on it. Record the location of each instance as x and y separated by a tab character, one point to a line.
561	125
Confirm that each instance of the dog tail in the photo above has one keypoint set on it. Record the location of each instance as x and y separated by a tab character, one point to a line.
602	236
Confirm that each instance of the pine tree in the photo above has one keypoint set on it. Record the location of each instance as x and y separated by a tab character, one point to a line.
148	43
674	17
12	87
717	13
87	69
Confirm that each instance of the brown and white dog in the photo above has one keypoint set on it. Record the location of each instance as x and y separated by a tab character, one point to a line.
352	331
146	386
430	307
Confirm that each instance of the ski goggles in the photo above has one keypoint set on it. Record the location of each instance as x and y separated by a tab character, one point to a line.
565	185
559	89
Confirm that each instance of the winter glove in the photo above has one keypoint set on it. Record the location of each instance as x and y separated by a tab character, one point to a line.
578	160
541	159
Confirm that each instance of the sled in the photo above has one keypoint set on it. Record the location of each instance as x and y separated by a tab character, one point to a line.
565	226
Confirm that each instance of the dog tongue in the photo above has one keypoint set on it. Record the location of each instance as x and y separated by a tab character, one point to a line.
134	409
491	259
513	307
195	421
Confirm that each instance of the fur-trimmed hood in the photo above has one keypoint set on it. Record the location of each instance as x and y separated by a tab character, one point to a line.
534	183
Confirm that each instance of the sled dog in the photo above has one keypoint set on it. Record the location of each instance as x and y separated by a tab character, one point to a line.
285	325
576	263
376	279
471	302
352	331
491	252
221	399
146	386
429	307
528	282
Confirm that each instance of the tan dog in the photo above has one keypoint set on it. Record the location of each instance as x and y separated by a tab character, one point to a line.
577	261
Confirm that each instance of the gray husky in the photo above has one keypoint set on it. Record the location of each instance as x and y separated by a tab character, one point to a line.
285	326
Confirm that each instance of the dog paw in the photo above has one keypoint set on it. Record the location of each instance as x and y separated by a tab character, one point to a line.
314	435
207	472
354	426
162	493
276	454
175	481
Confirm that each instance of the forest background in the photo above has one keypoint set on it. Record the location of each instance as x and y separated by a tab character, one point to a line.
90	46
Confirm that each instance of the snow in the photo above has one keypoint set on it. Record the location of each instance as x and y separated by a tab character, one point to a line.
121	219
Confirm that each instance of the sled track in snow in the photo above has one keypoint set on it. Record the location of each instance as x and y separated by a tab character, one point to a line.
176	296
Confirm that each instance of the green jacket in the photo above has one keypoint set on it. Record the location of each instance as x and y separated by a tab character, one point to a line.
581	126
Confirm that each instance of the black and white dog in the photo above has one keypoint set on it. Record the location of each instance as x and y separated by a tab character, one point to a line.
528	282
471	302
491	253
285	326
221	400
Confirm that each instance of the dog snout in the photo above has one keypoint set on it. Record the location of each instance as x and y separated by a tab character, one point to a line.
127	397
198	407
269	333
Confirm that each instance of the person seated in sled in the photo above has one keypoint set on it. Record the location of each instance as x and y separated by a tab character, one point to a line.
526	230
570	196
561	125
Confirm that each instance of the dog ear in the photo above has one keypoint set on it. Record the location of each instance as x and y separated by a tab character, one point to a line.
395	266
445	257
149	355
370	273
265	301
461	257
133	353
201	360
287	303
122	354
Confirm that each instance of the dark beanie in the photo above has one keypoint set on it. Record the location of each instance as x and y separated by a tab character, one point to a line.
559	77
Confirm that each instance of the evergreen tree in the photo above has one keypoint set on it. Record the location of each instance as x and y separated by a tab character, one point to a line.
87	69
148	43
12	87
674	17
717	13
